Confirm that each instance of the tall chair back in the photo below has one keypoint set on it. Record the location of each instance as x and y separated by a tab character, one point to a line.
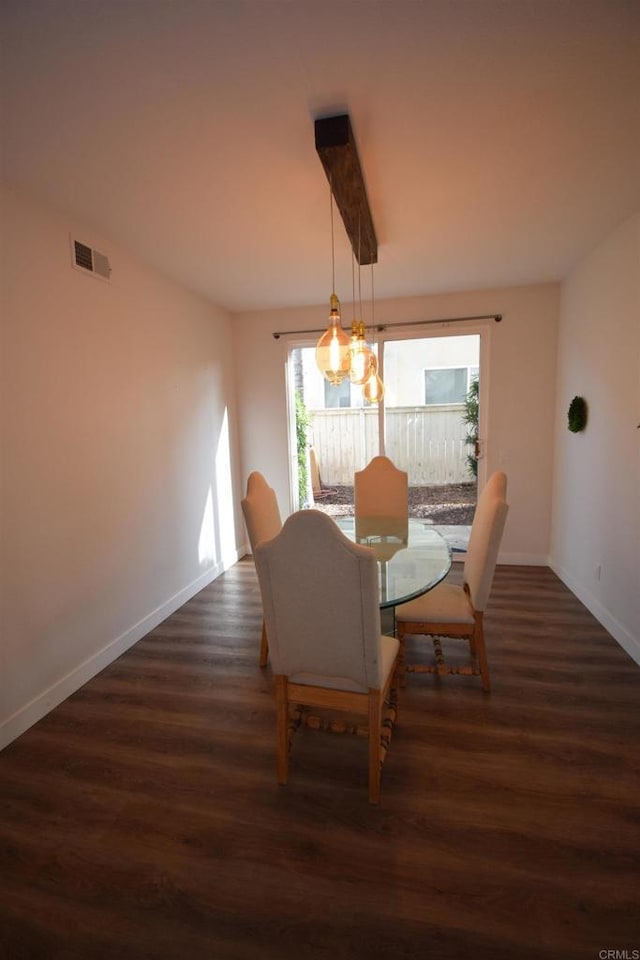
381	490
263	522
484	540
260	509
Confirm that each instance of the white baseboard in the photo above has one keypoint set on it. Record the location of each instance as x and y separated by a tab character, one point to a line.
617	630
523	559
512	559
37	708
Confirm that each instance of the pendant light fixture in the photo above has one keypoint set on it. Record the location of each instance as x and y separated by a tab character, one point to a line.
332	349
374	387
362	360
373	390
337	355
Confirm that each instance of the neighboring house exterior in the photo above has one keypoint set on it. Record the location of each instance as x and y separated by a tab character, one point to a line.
426	382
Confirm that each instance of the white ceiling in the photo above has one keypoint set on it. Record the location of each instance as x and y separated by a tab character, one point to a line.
499	139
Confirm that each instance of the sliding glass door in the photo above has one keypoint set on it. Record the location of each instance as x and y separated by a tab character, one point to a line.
427	383
333	430
430	423
431	426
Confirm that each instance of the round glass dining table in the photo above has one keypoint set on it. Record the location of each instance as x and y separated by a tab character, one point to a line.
412	556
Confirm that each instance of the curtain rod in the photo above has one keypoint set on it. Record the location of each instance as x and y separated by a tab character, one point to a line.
411	323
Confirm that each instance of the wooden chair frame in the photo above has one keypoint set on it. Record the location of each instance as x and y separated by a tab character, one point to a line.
472	632
379	706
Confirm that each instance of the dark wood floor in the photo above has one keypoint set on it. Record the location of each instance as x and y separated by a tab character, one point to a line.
142	819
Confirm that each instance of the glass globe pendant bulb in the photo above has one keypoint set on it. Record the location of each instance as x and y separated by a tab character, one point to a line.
332	349
373	389
363	360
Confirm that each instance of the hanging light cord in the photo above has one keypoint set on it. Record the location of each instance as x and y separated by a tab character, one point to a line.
333	256
353	285
373	320
359	257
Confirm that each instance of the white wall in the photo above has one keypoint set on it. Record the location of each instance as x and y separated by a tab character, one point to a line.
596	516
521	400
118	458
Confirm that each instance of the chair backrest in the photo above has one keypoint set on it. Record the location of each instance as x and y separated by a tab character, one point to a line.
320	599
381	490
496	486
261	511
484	541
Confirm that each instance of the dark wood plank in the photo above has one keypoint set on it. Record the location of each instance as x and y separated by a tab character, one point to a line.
142	819
336	147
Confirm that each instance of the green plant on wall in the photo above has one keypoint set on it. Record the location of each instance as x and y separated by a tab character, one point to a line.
577	414
470	418
303	422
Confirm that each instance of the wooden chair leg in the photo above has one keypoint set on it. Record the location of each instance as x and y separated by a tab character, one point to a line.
396	683
375	710
282	714
481	652
264	646
402	677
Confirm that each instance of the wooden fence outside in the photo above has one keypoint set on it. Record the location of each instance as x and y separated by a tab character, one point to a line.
427	442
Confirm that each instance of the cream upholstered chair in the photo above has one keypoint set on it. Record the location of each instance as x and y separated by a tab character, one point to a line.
320	599
452	610
381	490
262	519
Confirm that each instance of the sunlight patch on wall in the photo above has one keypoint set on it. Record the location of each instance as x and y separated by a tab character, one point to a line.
207	540
224	489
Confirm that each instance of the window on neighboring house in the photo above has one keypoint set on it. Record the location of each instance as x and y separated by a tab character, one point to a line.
337	396
447	385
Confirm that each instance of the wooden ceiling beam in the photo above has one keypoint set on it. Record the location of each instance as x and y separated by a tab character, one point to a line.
337	150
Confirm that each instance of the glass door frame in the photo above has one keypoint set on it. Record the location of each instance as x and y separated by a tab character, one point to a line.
481	328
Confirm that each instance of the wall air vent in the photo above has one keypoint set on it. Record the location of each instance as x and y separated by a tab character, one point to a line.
89	260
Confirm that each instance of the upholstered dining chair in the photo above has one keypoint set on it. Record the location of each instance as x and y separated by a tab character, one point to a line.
381	490
320	599
263	521
453	610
